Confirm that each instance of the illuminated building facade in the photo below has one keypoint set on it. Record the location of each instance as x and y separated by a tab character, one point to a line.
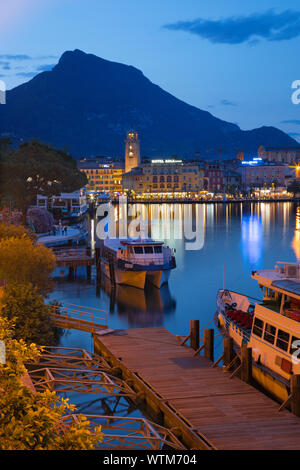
285	155
104	175
257	173
165	176
214	172
132	151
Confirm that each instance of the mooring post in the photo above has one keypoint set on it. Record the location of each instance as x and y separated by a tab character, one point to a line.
246	364
97	262
209	344
89	273
194	331
295	391
228	352
71	273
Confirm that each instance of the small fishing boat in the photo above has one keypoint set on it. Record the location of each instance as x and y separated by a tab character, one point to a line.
271	327
135	262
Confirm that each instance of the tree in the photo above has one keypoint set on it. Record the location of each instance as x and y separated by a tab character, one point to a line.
15	231
294	187
36	168
33	421
25	307
23	262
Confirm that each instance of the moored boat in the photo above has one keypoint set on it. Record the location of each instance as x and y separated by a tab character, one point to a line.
271	327
135	262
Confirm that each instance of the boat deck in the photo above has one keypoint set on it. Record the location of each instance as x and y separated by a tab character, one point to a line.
222	413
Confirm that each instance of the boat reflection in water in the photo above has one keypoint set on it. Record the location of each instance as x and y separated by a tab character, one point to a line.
140	308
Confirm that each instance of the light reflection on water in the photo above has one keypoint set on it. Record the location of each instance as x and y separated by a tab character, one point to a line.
243	237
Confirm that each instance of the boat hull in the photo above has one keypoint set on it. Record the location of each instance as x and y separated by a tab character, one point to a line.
158	278
128	278
136	278
277	387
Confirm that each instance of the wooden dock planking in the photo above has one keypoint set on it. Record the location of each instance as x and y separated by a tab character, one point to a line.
228	413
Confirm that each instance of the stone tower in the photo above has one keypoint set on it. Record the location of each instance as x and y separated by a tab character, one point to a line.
132	151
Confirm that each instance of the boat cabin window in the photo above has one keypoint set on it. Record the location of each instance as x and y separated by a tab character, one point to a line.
283	340
295	346
270	332
258	327
148	250
138	250
158	250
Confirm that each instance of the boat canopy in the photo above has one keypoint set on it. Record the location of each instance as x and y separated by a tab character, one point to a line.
287	285
116	243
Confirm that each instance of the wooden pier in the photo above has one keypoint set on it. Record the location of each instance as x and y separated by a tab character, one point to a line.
73	258
205	407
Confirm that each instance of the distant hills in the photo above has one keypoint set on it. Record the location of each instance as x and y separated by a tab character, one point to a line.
87	104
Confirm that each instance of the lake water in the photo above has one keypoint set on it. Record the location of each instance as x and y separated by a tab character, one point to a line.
241	237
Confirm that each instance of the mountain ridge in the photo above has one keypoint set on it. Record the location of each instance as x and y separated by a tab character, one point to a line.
88	103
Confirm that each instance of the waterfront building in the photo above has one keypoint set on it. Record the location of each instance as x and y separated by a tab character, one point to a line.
232	180
104	175
71	205
165	177
214	172
132	151
285	155
258	173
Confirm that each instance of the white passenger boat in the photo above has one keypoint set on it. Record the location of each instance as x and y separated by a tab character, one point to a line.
133	262
271	327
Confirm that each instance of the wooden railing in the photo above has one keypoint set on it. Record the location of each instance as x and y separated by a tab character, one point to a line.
79	252
79	313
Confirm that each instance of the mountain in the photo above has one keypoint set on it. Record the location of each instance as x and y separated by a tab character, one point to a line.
87	104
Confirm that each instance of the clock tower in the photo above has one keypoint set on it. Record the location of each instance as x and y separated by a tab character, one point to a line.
132	151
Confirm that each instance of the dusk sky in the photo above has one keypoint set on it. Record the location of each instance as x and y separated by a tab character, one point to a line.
235	59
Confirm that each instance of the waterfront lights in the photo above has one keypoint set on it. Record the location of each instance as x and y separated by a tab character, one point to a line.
166	161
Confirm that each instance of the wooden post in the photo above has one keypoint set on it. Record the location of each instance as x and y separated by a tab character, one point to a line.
194	329
209	344
98	266
246	364
295	391
228	351
71	273
89	273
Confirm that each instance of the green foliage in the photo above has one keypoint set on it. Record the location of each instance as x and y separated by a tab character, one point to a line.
25	307
36	168
23	262
33	421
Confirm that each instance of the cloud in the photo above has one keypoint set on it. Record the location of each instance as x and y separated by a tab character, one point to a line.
15	57
26	74
4	65
269	25
291	121
45	67
228	103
